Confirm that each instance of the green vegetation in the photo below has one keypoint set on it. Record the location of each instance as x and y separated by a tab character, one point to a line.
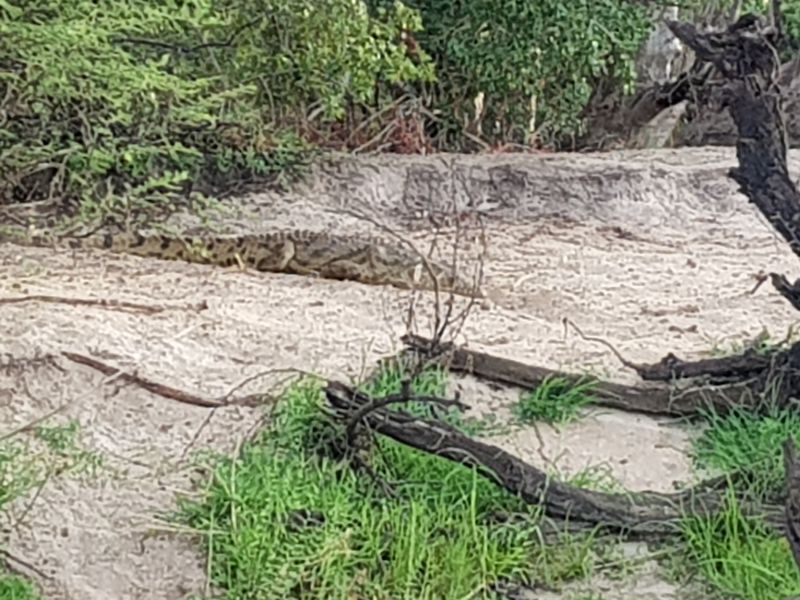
290	510
737	555
16	477
116	107
739	441
740	558
129	109
555	401
431	382
546	55
286	519
26	463
15	588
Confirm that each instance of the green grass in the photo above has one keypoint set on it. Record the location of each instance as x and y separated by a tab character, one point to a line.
288	518
741	441
555	401
431	382
740	558
762	344
13	587
736	555
27	462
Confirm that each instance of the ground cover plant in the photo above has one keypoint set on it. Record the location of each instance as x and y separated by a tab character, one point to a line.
289	519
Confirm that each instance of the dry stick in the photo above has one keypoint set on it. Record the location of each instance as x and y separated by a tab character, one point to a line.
659	399
641	512
31	424
607	344
109	304
157	388
249	398
24	564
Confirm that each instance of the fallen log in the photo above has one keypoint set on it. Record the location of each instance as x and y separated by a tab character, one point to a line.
666	400
639	513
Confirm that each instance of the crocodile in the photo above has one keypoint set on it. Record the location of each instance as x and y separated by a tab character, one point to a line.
365	259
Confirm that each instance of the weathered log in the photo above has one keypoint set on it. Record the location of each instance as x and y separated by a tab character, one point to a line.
745	56
668	400
671	367
631	513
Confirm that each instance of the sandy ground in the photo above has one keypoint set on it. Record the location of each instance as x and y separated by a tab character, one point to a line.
677	278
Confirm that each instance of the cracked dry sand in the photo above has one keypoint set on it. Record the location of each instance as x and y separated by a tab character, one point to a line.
679	284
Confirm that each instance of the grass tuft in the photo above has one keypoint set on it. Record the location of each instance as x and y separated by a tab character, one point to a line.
13	587
739	557
287	518
739	441
556	401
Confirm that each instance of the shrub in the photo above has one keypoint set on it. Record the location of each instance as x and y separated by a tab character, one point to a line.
117	105
512	51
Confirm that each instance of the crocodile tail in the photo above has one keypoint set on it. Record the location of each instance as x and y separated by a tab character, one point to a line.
188	249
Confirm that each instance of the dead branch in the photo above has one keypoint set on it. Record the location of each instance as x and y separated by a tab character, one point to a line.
747	364
669	368
159	389
745	55
108	304
652	399
645	512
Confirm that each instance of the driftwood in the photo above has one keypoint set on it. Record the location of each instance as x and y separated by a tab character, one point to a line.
655	399
746	57
632	513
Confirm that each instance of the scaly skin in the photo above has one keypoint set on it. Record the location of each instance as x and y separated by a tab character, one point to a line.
368	260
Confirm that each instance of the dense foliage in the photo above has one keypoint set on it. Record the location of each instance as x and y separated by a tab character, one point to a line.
118	105
114	107
532	64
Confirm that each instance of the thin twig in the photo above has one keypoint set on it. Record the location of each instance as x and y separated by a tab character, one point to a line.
102	303
9	557
607	344
159	389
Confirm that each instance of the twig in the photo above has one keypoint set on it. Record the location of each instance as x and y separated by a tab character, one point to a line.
31	424
188	49
23	563
607	344
158	388
401	398
251	398
108	304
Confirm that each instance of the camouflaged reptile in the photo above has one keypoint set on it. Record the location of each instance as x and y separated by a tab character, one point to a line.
369	260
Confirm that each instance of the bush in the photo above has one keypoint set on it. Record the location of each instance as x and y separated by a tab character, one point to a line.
117	105
512	51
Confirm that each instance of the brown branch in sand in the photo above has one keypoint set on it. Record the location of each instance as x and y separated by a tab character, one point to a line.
746	57
160	389
656	399
107	304
641	513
